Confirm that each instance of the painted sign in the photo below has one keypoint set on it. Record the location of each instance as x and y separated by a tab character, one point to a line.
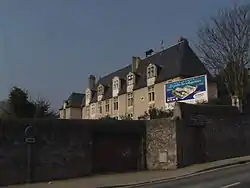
189	90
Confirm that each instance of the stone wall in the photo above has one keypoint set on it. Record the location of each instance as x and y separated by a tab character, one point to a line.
161	144
210	132
63	148
13	159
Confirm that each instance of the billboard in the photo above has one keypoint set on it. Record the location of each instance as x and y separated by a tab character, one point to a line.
189	90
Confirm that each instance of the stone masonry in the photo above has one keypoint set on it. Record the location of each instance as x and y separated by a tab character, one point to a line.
161	144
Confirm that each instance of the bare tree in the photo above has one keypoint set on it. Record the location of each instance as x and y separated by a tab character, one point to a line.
224	44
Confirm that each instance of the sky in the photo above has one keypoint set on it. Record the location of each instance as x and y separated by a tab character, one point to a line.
50	47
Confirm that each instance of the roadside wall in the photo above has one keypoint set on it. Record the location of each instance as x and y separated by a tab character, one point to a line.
13	160
161	144
63	148
210	132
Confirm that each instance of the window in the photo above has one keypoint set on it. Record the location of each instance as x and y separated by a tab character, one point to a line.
151	93
87	111
130	99
115	84
130	79
116	103
100	107
88	97
151	71
100	90
93	109
107	105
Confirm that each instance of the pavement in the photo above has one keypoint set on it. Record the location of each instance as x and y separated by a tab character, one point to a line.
234	177
146	178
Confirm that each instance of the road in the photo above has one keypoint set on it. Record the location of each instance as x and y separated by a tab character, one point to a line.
235	177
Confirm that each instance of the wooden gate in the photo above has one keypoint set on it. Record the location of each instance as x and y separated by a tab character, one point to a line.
199	145
115	152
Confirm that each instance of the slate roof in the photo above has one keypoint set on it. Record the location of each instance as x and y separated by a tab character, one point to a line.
177	60
74	100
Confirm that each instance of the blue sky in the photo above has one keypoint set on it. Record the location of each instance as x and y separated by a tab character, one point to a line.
51	46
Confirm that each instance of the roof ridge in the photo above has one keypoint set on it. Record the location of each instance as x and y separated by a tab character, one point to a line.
77	93
114	71
171	46
141	60
162	51
173	60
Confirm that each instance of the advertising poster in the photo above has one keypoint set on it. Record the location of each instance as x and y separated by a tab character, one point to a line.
189	90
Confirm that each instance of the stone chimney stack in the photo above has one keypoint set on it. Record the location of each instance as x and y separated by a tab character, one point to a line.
135	63
149	52
91	81
182	39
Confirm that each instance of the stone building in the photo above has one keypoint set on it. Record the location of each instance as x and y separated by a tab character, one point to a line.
137	87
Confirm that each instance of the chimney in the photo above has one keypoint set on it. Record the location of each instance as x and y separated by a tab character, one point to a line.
91	82
135	63
149	52
182	39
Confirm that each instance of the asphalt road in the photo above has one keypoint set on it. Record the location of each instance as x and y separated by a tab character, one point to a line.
234	177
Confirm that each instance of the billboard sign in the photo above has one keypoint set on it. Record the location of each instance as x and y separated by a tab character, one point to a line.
189	90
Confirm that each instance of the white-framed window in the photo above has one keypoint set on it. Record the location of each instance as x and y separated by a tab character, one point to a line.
88	96
130	99
100	107
107	105
100	90
130	79
87	111
151	93
93	109
116	84
151	71
115	103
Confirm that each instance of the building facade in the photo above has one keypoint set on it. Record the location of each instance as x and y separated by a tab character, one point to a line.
139	86
71	108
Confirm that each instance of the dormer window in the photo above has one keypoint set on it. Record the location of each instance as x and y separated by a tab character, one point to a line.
87	97
115	84
130	79
151	71
100	90
130	82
